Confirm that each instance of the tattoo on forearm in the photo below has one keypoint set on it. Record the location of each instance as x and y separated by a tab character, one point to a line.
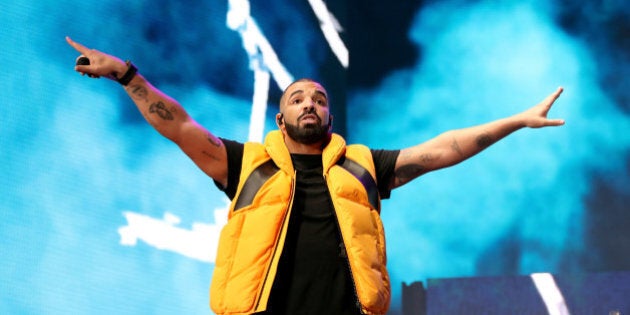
484	140
161	110
456	148
139	92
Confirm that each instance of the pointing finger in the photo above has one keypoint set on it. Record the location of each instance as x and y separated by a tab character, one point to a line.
80	48
556	94
551	98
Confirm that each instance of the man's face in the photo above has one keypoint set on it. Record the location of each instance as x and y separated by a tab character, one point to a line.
305	112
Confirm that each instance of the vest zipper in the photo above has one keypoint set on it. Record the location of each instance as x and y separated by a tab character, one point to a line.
346	259
275	249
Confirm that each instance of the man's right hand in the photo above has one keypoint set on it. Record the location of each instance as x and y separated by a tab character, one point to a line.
101	64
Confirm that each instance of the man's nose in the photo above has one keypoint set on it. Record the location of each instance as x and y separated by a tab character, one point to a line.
309	104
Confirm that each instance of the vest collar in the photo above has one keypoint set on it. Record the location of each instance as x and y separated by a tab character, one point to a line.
277	149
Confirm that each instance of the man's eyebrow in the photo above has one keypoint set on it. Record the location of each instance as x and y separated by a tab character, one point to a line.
322	94
295	92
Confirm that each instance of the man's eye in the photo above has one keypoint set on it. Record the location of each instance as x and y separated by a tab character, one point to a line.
321	102
295	101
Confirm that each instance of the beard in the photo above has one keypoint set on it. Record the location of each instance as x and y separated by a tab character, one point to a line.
307	134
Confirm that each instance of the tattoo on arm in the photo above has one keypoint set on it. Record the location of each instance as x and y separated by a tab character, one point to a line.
161	110
210	155
215	142
484	140
139	92
409	171
406	173
456	148
426	158
212	139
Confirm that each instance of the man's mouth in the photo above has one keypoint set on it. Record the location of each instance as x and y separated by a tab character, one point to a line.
310	118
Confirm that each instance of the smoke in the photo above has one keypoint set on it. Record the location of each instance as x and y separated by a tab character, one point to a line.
518	207
72	164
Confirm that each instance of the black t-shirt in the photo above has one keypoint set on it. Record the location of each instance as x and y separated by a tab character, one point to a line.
313	274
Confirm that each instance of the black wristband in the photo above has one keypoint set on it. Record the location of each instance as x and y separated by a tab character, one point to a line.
131	72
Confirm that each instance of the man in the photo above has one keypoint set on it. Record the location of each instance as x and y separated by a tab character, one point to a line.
304	234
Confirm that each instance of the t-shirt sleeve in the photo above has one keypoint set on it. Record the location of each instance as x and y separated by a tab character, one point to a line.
384	162
235	161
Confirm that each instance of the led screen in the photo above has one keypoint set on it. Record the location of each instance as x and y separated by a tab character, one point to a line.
102	215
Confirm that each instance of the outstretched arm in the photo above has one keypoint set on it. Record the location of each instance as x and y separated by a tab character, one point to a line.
455	146
165	114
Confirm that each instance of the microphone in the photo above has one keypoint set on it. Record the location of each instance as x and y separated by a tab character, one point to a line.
83	61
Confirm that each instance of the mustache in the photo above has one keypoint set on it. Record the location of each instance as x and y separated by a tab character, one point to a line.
310	112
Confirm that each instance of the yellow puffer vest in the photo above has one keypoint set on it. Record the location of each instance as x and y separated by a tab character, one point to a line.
251	242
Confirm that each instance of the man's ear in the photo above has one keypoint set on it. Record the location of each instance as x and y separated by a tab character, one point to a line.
279	119
330	119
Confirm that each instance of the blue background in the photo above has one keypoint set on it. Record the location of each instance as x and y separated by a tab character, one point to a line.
76	155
